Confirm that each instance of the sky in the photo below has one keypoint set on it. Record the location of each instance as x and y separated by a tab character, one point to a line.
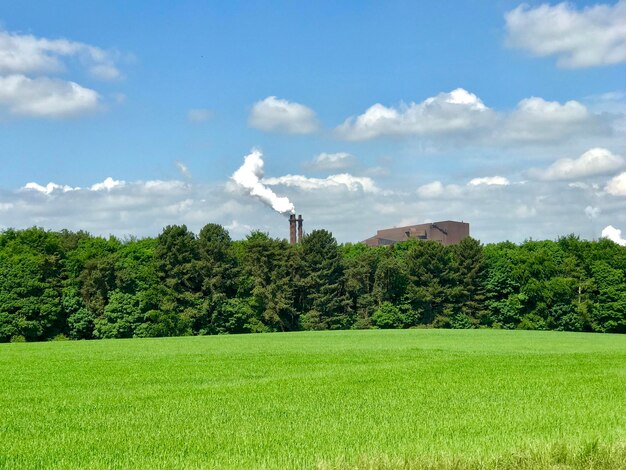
121	118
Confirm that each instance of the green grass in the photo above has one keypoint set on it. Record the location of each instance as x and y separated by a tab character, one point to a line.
354	399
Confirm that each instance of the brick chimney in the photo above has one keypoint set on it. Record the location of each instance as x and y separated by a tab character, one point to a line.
292	229
300	220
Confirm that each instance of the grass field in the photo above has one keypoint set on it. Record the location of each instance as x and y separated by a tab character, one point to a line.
354	399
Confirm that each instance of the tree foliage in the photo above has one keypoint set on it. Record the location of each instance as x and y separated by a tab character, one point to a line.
74	285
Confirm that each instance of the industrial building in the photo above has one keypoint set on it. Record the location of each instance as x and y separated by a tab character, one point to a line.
447	232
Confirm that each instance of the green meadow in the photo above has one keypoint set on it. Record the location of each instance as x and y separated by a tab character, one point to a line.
343	399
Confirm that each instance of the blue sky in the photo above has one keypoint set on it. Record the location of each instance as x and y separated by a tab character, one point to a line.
409	101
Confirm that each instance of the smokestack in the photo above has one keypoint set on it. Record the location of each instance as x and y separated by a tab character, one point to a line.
292	229
300	220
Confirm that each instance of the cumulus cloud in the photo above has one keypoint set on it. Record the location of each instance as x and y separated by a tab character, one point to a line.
592	212
596	161
47	189
473	189
343	180
437	189
588	37
27	87
332	161
617	185
108	184
460	114
199	115
278	115
490	181
45	97
456	111
613	234
27	54
536	120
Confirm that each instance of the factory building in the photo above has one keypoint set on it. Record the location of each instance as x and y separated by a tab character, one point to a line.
447	232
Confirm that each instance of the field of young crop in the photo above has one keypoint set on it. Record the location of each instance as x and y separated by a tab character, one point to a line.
353	399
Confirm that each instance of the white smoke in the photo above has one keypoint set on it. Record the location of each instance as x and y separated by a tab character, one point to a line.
613	234
249	176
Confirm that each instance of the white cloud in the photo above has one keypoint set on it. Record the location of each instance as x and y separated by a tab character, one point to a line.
613	234
332	161
524	211
490	181
170	186
462	115
341	181
143	208
199	115
49	188
456	111
238	227
183	169
590	37
45	97
536	120
279	115
584	186
438	190
617	185
27	87
107	185
609	102
134	208
377	171
105	72
27	54
593	162
476	189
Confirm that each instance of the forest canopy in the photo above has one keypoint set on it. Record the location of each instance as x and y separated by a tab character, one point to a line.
72	285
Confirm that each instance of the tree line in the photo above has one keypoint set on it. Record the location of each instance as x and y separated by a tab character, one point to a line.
72	285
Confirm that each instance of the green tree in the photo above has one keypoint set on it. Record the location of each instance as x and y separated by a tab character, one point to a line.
30	285
176	259
391	280
503	287
177	266
325	303
471	276
609	310
359	271
388	316
429	290
269	269
122	316
80	320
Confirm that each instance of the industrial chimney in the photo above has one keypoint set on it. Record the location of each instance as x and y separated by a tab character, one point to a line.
300	220
292	229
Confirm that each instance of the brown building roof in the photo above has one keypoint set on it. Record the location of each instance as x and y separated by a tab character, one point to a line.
448	232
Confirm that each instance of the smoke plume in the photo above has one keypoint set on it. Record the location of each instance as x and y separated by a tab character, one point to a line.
613	234
249	176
